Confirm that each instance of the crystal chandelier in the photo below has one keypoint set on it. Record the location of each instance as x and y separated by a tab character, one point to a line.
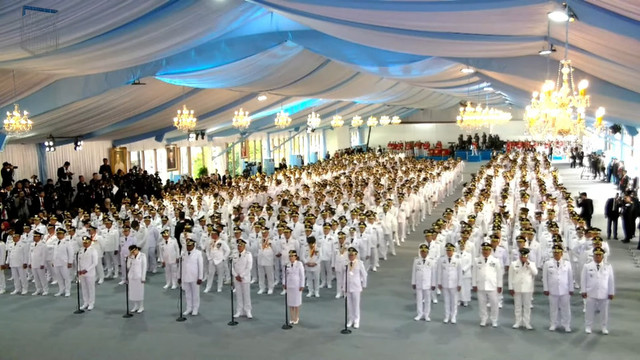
599	125
337	121
313	120
385	120
282	120
473	118
559	108
356	121
372	121
17	123
241	119
185	121
396	120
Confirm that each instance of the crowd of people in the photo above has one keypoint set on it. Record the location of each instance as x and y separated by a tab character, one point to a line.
326	225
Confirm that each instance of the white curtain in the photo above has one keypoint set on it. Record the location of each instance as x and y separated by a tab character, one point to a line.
84	162
24	157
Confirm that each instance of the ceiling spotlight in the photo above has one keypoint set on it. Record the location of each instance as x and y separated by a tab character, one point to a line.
262	97
548	50
467	70
563	14
77	144
192	137
50	144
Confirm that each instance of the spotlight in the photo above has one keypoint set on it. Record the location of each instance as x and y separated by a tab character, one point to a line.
262	97
193	137
467	70
50	144
563	14
77	144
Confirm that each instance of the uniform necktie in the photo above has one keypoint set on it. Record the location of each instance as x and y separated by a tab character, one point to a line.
449	260
558	262
85	250
188	252
485	260
423	261
598	266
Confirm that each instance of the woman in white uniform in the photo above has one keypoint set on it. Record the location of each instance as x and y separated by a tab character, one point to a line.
294	284
137	265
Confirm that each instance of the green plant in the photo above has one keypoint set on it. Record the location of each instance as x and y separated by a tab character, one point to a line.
203	171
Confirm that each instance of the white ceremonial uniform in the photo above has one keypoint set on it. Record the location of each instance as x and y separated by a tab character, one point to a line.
597	282
326	243
152	239
266	259
312	255
339	261
110	246
3	262
192	271
169	252
356	281
125	242
62	262
217	253
137	276
557	279
87	261
37	262
521	281
18	258
424	278
97	243
450	279
487	276
466	263
242	268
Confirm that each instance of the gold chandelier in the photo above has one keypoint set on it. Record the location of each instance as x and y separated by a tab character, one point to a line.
473	118
313	120
599	125
559	108
185	121
17	123
241	119
372	121
385	120
396	120
356	121
282	120
337	121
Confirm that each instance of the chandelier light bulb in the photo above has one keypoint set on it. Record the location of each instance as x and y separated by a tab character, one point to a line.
558	16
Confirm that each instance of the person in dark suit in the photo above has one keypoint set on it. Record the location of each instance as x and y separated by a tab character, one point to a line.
105	169
612	210
628	218
624	181
7	174
226	179
586	206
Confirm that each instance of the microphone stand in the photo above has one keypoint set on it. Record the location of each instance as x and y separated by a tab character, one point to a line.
233	321
181	317
78	310
346	330
286	325
126	277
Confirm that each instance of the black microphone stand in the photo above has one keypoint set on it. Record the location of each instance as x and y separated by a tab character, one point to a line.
78	310
346	330
181	317
233	321
286	325
126	283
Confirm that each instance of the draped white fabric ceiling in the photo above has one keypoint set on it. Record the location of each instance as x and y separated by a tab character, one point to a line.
335	56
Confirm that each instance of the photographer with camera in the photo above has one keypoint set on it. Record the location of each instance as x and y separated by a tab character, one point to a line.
7	174
64	181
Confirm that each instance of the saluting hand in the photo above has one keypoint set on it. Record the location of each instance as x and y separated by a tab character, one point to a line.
511	292
499	290
584	295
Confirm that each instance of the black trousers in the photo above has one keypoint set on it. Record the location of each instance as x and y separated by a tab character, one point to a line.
612	221
588	221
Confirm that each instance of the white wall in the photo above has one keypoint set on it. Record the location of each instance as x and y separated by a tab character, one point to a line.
337	139
84	162
449	132
22	156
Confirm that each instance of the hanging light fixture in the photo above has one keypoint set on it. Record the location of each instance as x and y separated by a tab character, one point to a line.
396	120
356	121
241	119
599	125
313	120
282	119
50	144
185	121
372	121
17	123
336	121
385	120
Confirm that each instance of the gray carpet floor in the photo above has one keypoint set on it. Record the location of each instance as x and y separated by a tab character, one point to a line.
46	328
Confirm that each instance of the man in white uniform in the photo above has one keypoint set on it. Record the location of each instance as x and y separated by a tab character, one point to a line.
62	263
486	280
597	286
423	281
241	272
37	259
522	274
557	279
450	282
87	262
191	276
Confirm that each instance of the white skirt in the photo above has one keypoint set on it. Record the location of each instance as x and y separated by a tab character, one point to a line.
136	290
